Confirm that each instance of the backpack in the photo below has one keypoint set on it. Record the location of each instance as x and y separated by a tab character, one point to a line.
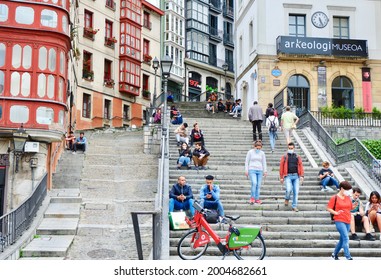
272	127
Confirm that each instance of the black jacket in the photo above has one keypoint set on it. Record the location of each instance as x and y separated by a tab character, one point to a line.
177	190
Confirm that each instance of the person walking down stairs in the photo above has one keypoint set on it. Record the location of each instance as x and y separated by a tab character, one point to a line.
256	118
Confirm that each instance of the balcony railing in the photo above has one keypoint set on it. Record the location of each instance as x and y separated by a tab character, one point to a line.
146	94
228	12
89	32
228	39
88	74
110	4
147	24
215	5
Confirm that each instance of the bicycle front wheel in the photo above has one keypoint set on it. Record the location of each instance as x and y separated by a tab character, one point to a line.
186	249
255	250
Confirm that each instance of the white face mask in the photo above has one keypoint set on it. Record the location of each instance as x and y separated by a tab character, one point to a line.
348	193
290	151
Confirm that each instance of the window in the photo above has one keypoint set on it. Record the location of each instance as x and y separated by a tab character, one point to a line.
61	117
45	115
341	27
126	112
213	55
20	83
42	58
86	106
251	36
19	114
2	54
110	4
108	80
24	15
146	55
229	59
49	18
88	19
145	82
108	31
3	12
87	71
146	20
297	25
1	82
107	108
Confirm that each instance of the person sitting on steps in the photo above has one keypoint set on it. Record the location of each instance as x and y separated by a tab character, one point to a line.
200	156
70	140
181	196
181	133
185	156
327	178
80	143
210	197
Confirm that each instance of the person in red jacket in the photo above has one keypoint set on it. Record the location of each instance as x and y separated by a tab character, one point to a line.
291	172
340	206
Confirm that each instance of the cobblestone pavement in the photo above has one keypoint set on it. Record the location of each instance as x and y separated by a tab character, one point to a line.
116	179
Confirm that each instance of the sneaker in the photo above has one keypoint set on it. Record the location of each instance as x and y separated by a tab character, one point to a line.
178	144
355	237
231	113
324	189
349	259
335	257
235	116
272	151
189	167
295	209
369	237
74	153
258	201
222	220
178	167
252	201
203	168
286	202
196	167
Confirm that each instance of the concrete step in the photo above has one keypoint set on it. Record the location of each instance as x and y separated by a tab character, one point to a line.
58	226
48	246
62	210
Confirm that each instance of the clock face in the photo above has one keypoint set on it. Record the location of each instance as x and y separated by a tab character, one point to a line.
319	19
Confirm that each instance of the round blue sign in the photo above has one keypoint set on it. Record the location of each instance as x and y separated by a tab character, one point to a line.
276	72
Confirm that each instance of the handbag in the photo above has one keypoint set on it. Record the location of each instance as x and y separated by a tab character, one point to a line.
334	208
177	220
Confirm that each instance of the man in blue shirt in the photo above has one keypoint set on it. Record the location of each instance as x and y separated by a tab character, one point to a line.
210	196
80	143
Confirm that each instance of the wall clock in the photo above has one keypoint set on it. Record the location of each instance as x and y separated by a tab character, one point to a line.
319	19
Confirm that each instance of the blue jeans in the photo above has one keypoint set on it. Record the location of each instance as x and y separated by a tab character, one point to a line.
256	181
343	229
210	204
329	181
292	184
272	136
178	205
184	161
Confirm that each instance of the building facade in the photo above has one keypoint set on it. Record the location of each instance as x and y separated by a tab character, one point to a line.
314	55
34	48
114	45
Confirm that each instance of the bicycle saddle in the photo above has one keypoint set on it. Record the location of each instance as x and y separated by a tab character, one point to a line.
233	218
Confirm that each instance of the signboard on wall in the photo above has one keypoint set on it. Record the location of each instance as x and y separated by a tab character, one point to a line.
322	46
366	89
322	86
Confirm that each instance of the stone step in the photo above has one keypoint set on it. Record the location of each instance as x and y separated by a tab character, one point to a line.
48	246
62	210
58	226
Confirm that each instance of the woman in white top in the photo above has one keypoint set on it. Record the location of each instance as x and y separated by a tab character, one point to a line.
373	209
272	124
255	168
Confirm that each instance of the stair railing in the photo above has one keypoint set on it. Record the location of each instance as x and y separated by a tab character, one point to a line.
349	150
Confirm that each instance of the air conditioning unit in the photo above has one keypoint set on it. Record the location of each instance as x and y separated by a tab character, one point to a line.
32	147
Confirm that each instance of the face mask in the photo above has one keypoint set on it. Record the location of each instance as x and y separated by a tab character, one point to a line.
290	151
348	192
257	151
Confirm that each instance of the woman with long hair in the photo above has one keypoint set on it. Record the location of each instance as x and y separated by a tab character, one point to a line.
373	209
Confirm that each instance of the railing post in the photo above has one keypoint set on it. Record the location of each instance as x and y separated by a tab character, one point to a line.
138	240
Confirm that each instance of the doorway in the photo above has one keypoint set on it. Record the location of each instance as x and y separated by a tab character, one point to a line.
298	94
342	93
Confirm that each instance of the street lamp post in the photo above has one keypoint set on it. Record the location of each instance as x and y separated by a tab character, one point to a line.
166	65
225	66
19	139
155	65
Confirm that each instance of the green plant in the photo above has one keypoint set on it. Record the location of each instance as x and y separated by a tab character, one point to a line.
341	113
210	89
325	111
359	113
374	146
376	113
340	140
36	236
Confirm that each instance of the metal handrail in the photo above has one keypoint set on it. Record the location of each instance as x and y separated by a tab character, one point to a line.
16	222
347	118
350	150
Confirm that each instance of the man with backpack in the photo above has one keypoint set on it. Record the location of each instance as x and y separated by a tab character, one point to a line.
291	172
272	124
256	118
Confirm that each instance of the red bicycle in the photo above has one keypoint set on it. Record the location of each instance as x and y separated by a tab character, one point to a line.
244	243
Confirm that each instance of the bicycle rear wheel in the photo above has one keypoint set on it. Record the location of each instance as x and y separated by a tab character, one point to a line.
255	250
185	248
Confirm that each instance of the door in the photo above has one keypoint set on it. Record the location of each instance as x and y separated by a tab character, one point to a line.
298	94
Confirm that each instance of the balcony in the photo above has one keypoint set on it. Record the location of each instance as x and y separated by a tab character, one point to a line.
109	82
147	24
215	34
147	59
88	74
228	40
228	12
89	33
110	42
110	4
215	6
146	94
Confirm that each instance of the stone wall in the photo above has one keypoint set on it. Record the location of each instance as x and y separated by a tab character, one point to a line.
349	132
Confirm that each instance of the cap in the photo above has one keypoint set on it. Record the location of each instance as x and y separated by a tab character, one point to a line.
209	177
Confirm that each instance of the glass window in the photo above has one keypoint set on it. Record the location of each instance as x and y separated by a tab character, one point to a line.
65	26
51	86
24	15
25	84
86	105
1	82
45	115
2	54
15	83
42	62
3	12
27	57
341	27
41	88
49	18
19	114
16	56
52	60
61	117
62	63
297	25
61	90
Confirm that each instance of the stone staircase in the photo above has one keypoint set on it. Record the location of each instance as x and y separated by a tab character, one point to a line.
56	232
307	233
197	110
